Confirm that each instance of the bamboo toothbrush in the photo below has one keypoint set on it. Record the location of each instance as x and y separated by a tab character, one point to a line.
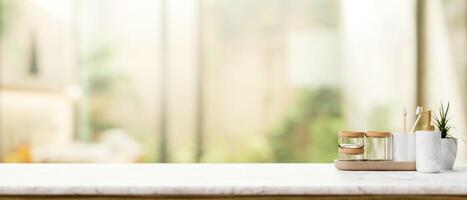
418	112
404	114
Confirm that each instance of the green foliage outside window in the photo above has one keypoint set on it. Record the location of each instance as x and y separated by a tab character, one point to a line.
6	8
308	133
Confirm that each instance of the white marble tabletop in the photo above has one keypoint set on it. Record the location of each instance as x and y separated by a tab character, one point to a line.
219	179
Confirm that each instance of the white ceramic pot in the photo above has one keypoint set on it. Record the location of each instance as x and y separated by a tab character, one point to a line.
448	153
428	146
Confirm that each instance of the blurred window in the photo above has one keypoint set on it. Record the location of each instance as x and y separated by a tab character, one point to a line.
218	80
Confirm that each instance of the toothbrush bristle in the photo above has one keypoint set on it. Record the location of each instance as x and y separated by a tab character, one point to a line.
419	110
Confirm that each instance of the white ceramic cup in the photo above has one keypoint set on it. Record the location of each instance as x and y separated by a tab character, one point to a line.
411	147
399	146
403	147
428	148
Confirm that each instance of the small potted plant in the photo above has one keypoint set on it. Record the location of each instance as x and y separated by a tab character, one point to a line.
448	143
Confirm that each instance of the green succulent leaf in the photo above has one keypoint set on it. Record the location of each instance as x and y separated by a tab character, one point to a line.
442	120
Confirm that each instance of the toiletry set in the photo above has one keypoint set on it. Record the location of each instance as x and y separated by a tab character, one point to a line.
381	150
370	145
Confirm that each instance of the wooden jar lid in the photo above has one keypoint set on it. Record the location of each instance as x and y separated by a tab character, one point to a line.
377	134
354	151
351	134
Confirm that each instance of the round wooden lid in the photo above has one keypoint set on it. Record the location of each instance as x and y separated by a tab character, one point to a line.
377	134
351	134
351	150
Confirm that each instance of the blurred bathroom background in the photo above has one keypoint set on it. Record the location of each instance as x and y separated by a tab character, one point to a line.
221	80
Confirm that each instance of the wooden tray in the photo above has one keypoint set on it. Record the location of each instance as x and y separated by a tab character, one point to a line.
368	165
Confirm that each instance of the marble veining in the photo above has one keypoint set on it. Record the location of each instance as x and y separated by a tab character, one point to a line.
220	179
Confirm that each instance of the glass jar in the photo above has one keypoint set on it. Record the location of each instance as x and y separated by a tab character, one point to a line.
378	145
351	153
351	139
